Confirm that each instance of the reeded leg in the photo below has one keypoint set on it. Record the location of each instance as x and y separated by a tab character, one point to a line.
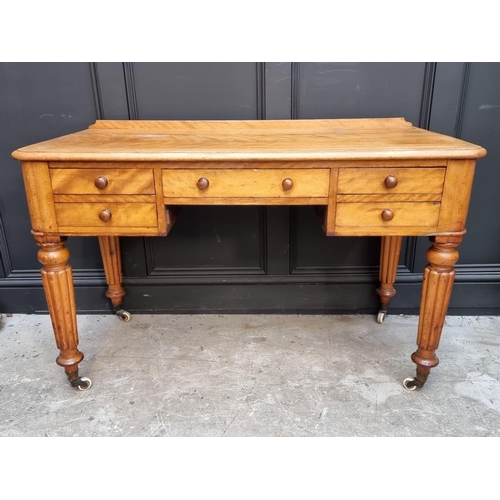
58	285
436	292
111	259
389	258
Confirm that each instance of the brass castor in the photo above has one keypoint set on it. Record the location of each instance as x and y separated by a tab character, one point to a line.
411	383
82	383
123	315
87	384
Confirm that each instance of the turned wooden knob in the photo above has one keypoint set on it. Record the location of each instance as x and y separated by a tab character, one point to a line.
387	214
287	184
101	182
203	183
390	181
105	215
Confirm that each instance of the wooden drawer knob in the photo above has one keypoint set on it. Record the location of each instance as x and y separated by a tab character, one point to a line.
390	181
105	215
287	184
101	182
387	214
203	183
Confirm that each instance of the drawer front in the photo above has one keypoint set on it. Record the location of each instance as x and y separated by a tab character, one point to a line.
397	214
246	183
106	181
390	180
114	214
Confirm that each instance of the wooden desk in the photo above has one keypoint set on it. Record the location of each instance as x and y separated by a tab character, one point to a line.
367	177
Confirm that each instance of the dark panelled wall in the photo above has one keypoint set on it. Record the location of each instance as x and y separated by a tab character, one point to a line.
250	259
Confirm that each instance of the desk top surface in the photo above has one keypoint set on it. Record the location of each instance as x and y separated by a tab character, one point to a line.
273	140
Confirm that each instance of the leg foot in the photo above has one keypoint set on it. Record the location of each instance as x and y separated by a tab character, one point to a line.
57	281
389	259
436	292
110	252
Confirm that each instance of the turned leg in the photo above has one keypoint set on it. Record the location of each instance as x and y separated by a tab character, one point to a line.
110	252
389	258
57	281
436	292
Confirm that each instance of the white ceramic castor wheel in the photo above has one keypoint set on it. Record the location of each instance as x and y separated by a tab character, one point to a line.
381	316
83	383
409	384
124	315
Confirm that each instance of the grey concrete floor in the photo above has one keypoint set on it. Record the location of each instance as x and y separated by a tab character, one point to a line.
249	375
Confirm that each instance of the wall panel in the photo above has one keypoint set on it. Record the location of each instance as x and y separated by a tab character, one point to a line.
249	259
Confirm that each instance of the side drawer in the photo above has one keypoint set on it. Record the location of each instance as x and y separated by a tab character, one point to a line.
401	214
391	180
118	214
105	181
246	183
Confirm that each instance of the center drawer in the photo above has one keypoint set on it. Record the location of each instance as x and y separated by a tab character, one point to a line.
246	183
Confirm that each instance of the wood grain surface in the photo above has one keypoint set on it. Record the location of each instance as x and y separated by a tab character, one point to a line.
372	180
367	177
254	139
266	183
